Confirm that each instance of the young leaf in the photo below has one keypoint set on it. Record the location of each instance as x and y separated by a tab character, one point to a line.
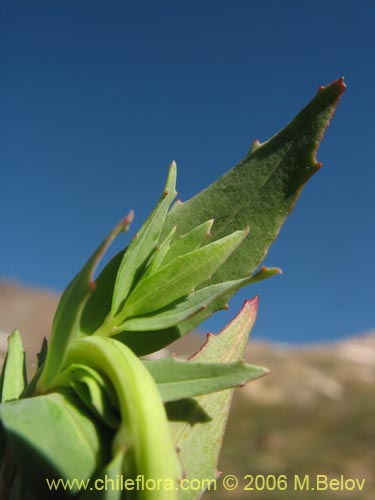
260	191
192	304
181	276
178	379
143	244
189	242
142	343
69	311
72	446
13	375
226	347
159	254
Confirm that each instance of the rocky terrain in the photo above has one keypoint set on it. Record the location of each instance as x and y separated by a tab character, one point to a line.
313	415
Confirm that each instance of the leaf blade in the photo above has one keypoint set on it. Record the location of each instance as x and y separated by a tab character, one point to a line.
41	452
261	190
69	310
13	376
178	379
143	244
179	277
228	346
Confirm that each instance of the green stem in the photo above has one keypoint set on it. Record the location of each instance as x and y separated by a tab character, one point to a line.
144	435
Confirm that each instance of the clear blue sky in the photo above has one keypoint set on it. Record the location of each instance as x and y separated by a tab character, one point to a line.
97	97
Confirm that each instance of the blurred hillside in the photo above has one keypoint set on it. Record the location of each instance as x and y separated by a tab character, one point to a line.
313	415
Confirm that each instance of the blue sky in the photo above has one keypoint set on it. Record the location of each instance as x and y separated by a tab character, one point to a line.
97	98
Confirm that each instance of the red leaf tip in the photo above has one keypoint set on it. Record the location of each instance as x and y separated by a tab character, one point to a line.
254	302
128	219
341	82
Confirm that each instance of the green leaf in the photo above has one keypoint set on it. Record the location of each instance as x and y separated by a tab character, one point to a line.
181	276
200	445
13	376
159	254
146	342
98	305
189	242
66	322
192	304
143	244
72	445
177	379
260	191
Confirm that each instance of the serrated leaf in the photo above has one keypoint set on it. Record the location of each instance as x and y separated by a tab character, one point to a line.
73	445
260	191
181	276
177	379
189	242
13	376
200	445
143	244
66	322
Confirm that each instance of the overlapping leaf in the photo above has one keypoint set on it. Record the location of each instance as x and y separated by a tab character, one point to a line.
181	276
52	436
143	244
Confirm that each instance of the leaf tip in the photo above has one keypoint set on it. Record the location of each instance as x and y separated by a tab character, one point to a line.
275	270
126	221
250	305
210	224
333	93
339	83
